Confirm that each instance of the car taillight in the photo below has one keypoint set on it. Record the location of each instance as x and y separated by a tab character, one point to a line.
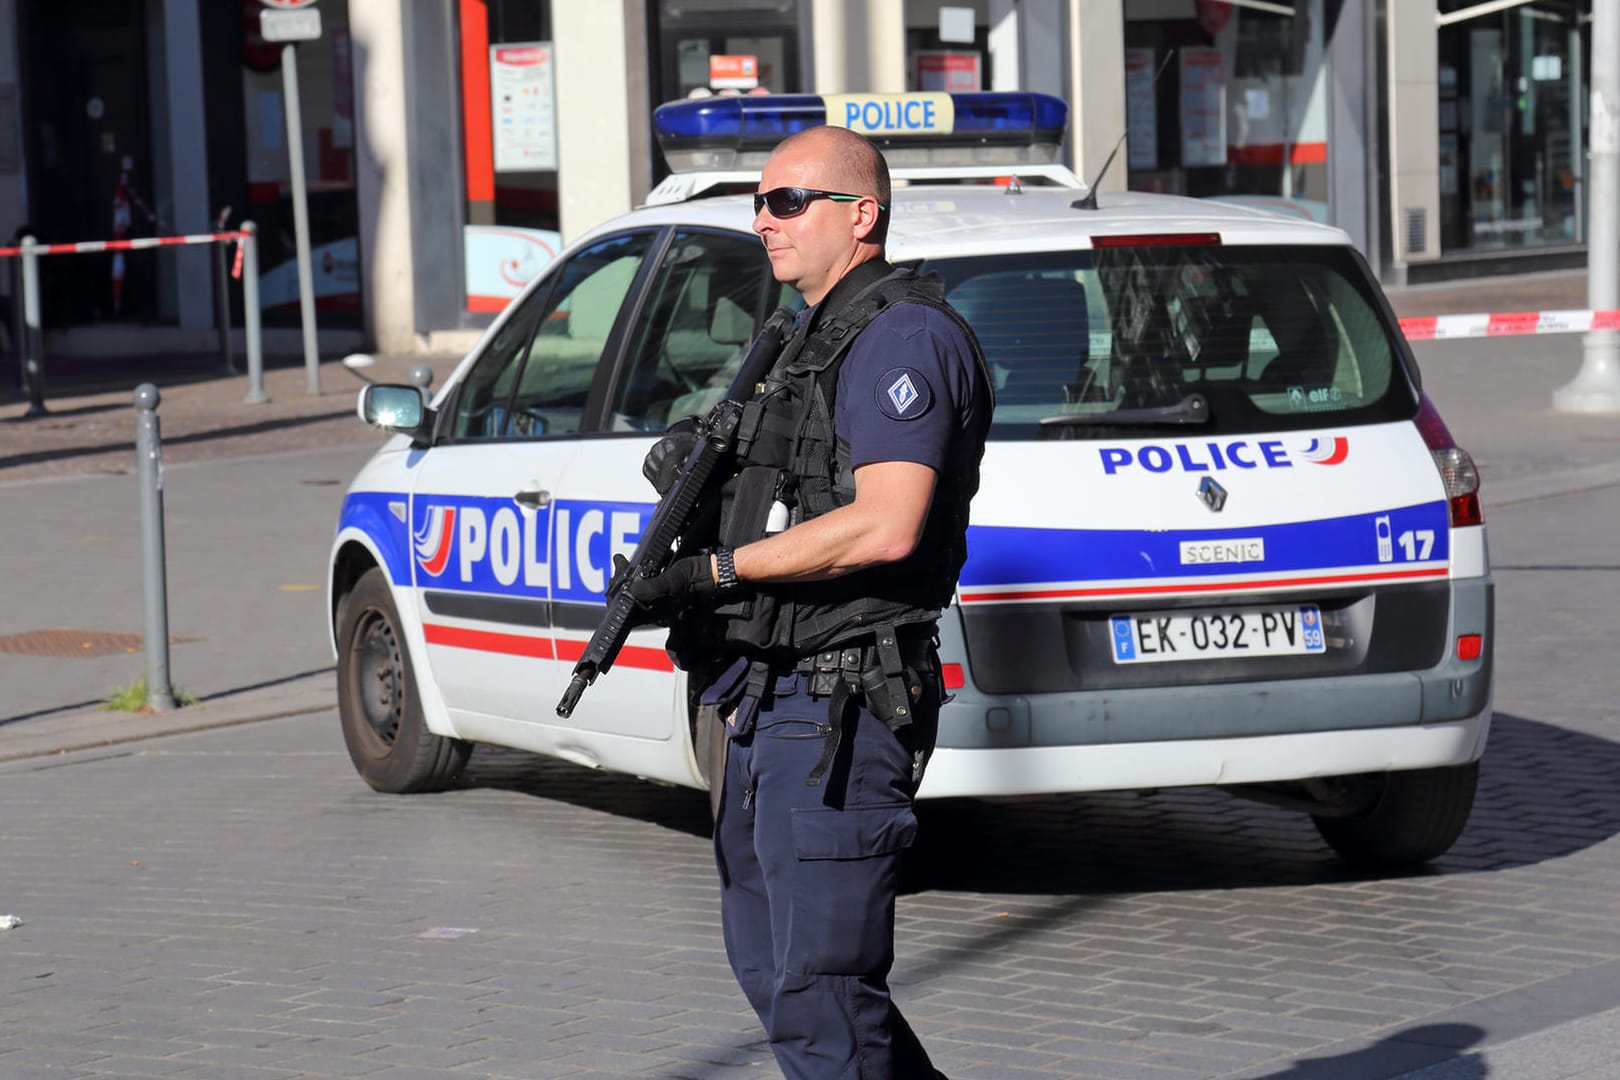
1457	469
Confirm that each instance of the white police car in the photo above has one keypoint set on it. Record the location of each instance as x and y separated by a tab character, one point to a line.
1222	536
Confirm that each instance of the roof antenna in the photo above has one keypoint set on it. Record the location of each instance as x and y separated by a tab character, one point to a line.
1088	201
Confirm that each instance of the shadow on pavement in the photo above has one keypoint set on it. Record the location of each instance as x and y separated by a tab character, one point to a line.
1545	792
682	809
1399	1055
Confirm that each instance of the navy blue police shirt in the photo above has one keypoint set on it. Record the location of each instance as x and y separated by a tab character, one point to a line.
906	389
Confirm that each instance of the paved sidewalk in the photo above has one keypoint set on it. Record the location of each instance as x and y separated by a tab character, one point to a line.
1495	395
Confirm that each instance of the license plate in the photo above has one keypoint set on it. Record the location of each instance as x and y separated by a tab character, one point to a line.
1158	636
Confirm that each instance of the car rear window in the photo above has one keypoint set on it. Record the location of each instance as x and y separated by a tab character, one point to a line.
1202	338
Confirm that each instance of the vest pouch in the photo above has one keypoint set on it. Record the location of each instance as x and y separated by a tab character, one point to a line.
751	494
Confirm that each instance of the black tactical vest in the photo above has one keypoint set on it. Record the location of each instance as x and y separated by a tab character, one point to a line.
793	467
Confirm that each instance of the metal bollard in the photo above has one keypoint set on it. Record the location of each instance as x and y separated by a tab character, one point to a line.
33	343
222	309
15	330
250	314
154	579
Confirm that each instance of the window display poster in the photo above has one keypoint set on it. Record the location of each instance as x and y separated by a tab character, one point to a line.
501	260
1203	108
945	71
1141	110
523	97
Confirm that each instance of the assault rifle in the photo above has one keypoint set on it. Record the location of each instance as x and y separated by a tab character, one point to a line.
715	446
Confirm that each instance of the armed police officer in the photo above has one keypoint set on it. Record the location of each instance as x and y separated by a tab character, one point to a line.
811	623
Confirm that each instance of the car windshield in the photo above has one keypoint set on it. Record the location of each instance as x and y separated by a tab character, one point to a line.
1223	339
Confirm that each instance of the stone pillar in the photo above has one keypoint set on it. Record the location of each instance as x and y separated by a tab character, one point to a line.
382	157
603	119
1414	134
860	46
13	147
1096	89
1006	70
186	169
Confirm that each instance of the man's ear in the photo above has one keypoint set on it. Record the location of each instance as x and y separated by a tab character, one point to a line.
866	218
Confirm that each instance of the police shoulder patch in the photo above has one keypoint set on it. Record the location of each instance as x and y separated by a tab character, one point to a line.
903	394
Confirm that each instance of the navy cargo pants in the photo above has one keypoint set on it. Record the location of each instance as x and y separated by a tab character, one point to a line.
808	876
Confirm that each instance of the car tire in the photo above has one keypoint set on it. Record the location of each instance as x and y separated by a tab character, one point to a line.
378	701
1415	816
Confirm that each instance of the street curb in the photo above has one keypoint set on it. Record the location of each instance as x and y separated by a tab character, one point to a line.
93	729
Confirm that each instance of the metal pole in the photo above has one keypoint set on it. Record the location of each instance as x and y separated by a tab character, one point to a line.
1596	387
33	336
222	308
154	583
14	270
295	163
250	314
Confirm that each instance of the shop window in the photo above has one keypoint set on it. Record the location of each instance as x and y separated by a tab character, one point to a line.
326	98
509	134
1511	140
1240	110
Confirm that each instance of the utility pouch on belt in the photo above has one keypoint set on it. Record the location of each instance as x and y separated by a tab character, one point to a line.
876	675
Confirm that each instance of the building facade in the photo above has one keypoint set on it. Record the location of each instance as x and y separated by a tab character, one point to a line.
452	146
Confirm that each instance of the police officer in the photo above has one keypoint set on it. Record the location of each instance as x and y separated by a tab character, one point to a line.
840	539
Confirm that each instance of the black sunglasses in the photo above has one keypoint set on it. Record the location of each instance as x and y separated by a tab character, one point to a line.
786	202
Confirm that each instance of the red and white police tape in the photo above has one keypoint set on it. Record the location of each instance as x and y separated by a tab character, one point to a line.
1502	324
85	247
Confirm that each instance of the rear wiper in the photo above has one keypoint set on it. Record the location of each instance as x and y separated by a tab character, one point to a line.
1192	409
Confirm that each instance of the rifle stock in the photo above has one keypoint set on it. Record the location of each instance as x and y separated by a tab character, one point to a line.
716	445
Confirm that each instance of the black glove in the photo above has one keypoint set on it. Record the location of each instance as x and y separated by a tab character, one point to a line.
663	462
689	577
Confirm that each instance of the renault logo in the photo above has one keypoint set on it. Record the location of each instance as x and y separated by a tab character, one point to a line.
1213	494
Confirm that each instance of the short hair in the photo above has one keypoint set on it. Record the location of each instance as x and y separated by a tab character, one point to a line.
855	165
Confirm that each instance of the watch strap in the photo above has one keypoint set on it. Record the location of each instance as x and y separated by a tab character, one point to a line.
725	565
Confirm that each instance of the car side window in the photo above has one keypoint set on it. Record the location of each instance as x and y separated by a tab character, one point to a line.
534	377
703	308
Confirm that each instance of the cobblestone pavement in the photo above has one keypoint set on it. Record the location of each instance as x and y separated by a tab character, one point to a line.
237	904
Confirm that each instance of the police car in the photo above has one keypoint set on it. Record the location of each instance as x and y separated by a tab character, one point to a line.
1223	537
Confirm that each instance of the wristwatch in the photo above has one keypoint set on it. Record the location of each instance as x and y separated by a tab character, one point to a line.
725	568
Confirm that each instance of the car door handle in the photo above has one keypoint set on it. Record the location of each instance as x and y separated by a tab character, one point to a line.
535	498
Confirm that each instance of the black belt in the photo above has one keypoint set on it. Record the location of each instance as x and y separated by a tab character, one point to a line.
854	657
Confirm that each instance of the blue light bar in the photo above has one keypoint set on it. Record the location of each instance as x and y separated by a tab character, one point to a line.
737	132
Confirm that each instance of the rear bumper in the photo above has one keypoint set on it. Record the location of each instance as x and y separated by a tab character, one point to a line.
1233	732
1258	759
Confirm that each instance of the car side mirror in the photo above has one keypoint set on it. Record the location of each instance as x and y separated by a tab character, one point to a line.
400	409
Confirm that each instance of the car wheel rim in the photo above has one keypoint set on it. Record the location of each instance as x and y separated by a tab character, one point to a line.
379	676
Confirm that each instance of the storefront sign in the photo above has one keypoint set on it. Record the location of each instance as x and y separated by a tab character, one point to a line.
946	71
524	106
733	72
1141	110
1203	108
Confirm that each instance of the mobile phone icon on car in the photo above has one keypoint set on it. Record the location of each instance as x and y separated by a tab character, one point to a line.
1386	547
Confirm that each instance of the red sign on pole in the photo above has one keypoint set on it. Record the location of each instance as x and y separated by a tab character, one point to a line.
283	5
1213	15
